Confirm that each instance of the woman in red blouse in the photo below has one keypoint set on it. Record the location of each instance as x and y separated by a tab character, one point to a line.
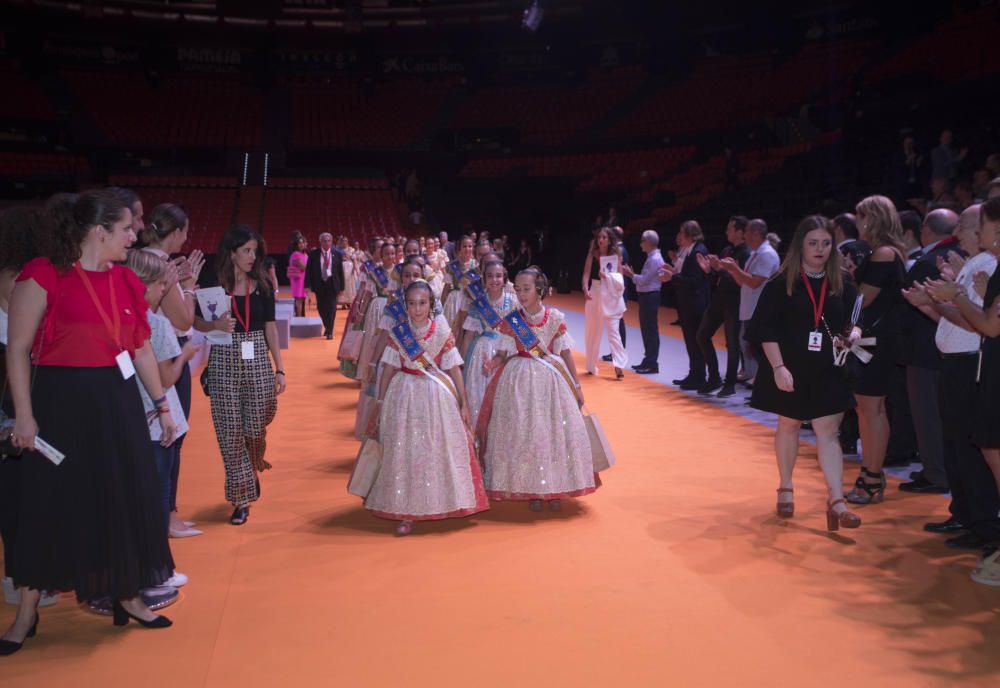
90	522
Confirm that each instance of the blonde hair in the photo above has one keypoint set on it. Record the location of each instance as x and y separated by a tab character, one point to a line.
883	226
148	267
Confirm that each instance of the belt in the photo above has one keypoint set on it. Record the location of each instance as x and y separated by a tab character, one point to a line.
963	354
410	371
525	354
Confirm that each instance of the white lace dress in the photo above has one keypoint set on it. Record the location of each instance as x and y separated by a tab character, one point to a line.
429	469
533	439
482	347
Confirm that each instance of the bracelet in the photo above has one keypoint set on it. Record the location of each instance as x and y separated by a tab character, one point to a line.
187	292
279	372
779	366
161	400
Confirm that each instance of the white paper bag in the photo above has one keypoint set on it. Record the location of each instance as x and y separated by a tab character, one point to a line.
600	450
366	468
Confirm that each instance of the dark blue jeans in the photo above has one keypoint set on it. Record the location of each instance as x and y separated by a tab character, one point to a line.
649	309
166	458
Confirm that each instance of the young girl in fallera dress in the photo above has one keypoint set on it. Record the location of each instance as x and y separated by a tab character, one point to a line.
548	457
478	341
429	469
454	299
387	254
410	272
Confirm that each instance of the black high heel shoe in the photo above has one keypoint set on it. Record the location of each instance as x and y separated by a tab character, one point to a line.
865	491
9	647
122	616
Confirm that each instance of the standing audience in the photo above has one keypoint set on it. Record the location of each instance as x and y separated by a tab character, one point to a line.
691	290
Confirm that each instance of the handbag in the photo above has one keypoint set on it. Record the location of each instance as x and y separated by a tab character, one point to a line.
203	379
366	468
600	450
352	344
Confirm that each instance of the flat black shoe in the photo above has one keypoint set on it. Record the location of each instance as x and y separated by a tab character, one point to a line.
647	371
9	647
692	385
329	336
240	515
952	525
923	486
727	391
969	541
681	381
606	357
710	386
122	617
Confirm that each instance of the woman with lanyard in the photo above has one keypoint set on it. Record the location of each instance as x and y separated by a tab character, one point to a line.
241	384
165	235
90	519
800	322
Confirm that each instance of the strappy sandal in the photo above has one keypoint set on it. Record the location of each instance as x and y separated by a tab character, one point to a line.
866	492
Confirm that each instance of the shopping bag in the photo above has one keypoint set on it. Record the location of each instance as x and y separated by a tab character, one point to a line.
352	345
366	468
600	449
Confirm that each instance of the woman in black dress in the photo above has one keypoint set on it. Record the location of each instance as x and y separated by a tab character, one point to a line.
879	280
801	321
986	320
89	522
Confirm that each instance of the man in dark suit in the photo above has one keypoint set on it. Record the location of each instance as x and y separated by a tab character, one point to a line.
692	290
325	276
921	356
851	247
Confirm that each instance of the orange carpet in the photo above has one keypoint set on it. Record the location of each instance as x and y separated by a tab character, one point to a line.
675	573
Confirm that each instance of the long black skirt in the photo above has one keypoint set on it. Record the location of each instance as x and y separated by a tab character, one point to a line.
94	523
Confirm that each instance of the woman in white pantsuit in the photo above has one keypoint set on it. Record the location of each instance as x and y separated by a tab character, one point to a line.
604	290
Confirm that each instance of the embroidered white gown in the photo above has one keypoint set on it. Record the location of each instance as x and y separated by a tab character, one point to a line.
534	442
429	469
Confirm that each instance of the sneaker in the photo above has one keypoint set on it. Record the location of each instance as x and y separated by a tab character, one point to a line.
710	386
727	391
177	580
989	572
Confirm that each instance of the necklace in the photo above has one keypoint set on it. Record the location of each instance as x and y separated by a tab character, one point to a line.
815	275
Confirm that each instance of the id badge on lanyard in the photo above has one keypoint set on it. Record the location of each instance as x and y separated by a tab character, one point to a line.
815	336
114	323
246	348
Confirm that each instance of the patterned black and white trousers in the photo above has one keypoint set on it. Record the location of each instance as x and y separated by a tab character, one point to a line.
243	405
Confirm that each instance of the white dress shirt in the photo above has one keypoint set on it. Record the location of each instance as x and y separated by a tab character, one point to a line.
950	338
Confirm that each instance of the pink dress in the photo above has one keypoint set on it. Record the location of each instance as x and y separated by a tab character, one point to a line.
297	273
533	439
429	468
